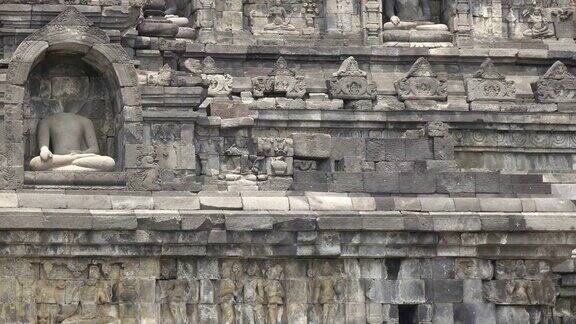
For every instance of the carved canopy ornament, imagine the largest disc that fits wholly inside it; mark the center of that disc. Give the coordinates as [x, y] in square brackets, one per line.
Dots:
[489, 85]
[281, 80]
[557, 85]
[219, 83]
[349, 82]
[422, 83]
[70, 20]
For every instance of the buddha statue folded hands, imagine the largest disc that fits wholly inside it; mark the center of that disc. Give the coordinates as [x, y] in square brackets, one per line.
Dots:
[74, 145]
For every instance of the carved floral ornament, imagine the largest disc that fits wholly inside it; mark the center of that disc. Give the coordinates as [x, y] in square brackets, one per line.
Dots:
[281, 80]
[489, 85]
[557, 85]
[421, 82]
[349, 82]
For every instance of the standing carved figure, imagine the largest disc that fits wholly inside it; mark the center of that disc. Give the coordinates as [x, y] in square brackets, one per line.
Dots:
[274, 294]
[176, 297]
[254, 296]
[324, 291]
[230, 290]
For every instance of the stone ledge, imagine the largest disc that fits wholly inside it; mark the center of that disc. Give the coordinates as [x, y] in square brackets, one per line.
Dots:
[277, 201]
[380, 52]
[283, 220]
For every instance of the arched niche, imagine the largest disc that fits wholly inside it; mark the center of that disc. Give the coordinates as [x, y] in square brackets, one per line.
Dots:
[81, 52]
[63, 82]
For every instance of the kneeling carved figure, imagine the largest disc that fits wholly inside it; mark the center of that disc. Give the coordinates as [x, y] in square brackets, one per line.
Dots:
[74, 145]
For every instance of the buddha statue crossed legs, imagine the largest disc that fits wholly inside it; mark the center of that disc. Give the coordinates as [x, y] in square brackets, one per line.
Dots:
[74, 145]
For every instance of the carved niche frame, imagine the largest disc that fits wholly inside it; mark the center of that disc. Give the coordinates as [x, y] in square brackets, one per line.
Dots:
[72, 33]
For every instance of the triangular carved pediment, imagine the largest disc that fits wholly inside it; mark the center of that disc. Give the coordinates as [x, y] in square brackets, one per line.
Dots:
[421, 68]
[73, 21]
[558, 71]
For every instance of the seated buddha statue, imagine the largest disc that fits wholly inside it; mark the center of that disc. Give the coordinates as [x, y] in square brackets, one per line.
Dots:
[278, 17]
[410, 14]
[68, 142]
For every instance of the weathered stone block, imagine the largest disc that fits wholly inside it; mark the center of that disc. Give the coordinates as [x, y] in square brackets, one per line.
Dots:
[444, 291]
[265, 203]
[312, 146]
[473, 268]
[320, 202]
[347, 182]
[228, 109]
[376, 182]
[419, 149]
[221, 202]
[310, 181]
[474, 313]
[248, 223]
[172, 202]
[455, 182]
[520, 292]
[132, 202]
[443, 148]
[347, 146]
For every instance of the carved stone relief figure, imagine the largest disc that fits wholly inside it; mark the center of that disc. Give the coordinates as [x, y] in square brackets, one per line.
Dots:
[324, 289]
[274, 293]
[278, 17]
[254, 295]
[231, 286]
[176, 297]
[537, 23]
[93, 294]
[128, 297]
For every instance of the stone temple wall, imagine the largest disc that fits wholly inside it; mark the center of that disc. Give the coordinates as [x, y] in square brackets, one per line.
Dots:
[290, 161]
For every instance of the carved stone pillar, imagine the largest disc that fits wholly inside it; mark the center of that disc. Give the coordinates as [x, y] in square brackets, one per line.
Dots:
[462, 22]
[340, 17]
[372, 20]
[203, 15]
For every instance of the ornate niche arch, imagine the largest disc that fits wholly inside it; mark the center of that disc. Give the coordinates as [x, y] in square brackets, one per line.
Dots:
[71, 34]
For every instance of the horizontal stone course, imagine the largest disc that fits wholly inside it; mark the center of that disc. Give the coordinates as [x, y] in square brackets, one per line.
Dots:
[262, 200]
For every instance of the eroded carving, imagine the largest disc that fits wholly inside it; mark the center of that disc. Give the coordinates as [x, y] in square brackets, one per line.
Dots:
[349, 82]
[280, 81]
[557, 85]
[488, 84]
[421, 82]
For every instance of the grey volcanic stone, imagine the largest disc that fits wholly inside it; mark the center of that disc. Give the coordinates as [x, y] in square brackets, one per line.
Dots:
[313, 146]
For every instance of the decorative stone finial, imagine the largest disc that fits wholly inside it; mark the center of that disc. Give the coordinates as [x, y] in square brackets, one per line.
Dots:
[281, 68]
[209, 66]
[421, 68]
[488, 71]
[349, 68]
